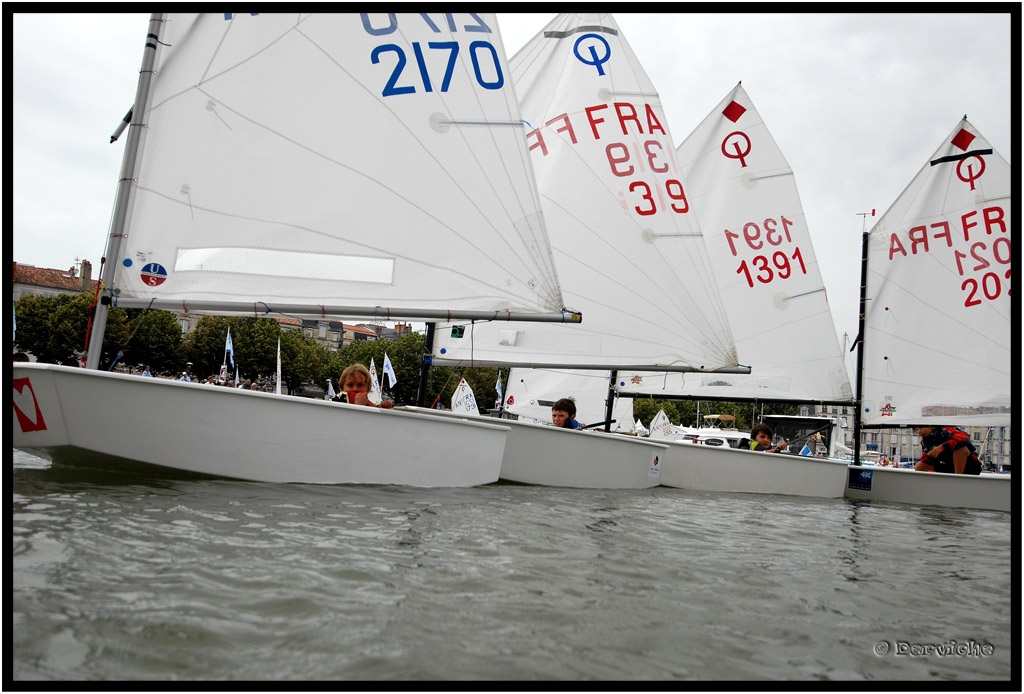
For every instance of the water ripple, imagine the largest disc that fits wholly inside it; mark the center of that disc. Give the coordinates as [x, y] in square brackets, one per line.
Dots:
[172, 580]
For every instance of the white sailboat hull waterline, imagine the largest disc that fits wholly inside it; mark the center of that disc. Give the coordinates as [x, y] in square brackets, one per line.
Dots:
[989, 491]
[552, 457]
[247, 435]
[722, 469]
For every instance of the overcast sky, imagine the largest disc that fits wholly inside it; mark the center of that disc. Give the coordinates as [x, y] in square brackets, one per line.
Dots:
[856, 102]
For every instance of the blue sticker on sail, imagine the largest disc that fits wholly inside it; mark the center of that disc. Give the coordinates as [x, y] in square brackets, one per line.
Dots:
[127, 262]
[153, 274]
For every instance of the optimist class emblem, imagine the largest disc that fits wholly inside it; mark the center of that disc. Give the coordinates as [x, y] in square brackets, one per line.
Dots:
[153, 274]
[887, 410]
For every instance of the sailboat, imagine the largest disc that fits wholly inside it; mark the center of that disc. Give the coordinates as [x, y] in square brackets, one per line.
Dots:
[626, 248]
[307, 164]
[531, 392]
[747, 204]
[936, 322]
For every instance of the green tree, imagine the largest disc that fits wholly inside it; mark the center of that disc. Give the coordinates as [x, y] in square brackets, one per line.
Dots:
[32, 313]
[302, 360]
[646, 409]
[54, 328]
[155, 340]
[406, 356]
[255, 346]
[204, 346]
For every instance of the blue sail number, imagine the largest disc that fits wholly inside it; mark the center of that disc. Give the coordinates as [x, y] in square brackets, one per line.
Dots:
[478, 50]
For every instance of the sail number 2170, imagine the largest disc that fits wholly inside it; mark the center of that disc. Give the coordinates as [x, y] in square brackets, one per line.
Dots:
[766, 266]
[486, 65]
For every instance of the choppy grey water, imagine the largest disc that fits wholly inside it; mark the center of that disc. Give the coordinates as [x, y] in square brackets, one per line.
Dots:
[141, 578]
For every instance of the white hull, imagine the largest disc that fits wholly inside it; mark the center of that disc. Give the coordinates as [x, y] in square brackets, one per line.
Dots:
[987, 490]
[93, 417]
[544, 455]
[723, 469]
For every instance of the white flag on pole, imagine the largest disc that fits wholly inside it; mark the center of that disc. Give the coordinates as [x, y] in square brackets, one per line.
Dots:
[330, 390]
[389, 372]
[463, 399]
[277, 388]
[374, 395]
[229, 349]
[497, 387]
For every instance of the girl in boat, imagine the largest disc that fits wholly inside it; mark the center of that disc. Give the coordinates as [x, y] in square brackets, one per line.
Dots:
[355, 387]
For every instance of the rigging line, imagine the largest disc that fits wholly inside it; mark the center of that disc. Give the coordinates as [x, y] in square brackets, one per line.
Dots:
[142, 319]
[92, 306]
[794, 296]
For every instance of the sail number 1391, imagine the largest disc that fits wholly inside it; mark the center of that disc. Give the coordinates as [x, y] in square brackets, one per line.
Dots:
[767, 265]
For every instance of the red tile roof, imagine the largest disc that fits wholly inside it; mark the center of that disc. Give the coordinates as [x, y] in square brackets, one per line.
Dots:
[50, 278]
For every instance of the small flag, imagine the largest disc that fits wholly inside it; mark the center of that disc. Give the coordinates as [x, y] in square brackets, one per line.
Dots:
[374, 395]
[330, 390]
[806, 450]
[229, 349]
[497, 386]
[238, 377]
[389, 372]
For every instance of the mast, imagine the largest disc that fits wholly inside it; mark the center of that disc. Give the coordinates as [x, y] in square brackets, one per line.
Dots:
[421, 391]
[131, 150]
[609, 405]
[859, 342]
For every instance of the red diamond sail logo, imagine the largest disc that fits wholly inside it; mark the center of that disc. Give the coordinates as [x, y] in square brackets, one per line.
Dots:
[733, 111]
[962, 140]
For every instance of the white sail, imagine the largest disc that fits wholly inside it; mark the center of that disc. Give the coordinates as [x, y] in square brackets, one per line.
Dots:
[627, 248]
[375, 396]
[335, 159]
[463, 400]
[661, 427]
[937, 318]
[745, 197]
[318, 164]
[531, 392]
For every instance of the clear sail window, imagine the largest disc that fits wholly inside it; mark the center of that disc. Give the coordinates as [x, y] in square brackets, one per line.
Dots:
[260, 261]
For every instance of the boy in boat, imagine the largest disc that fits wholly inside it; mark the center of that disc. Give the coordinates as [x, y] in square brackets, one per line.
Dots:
[761, 439]
[355, 384]
[948, 450]
[563, 414]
